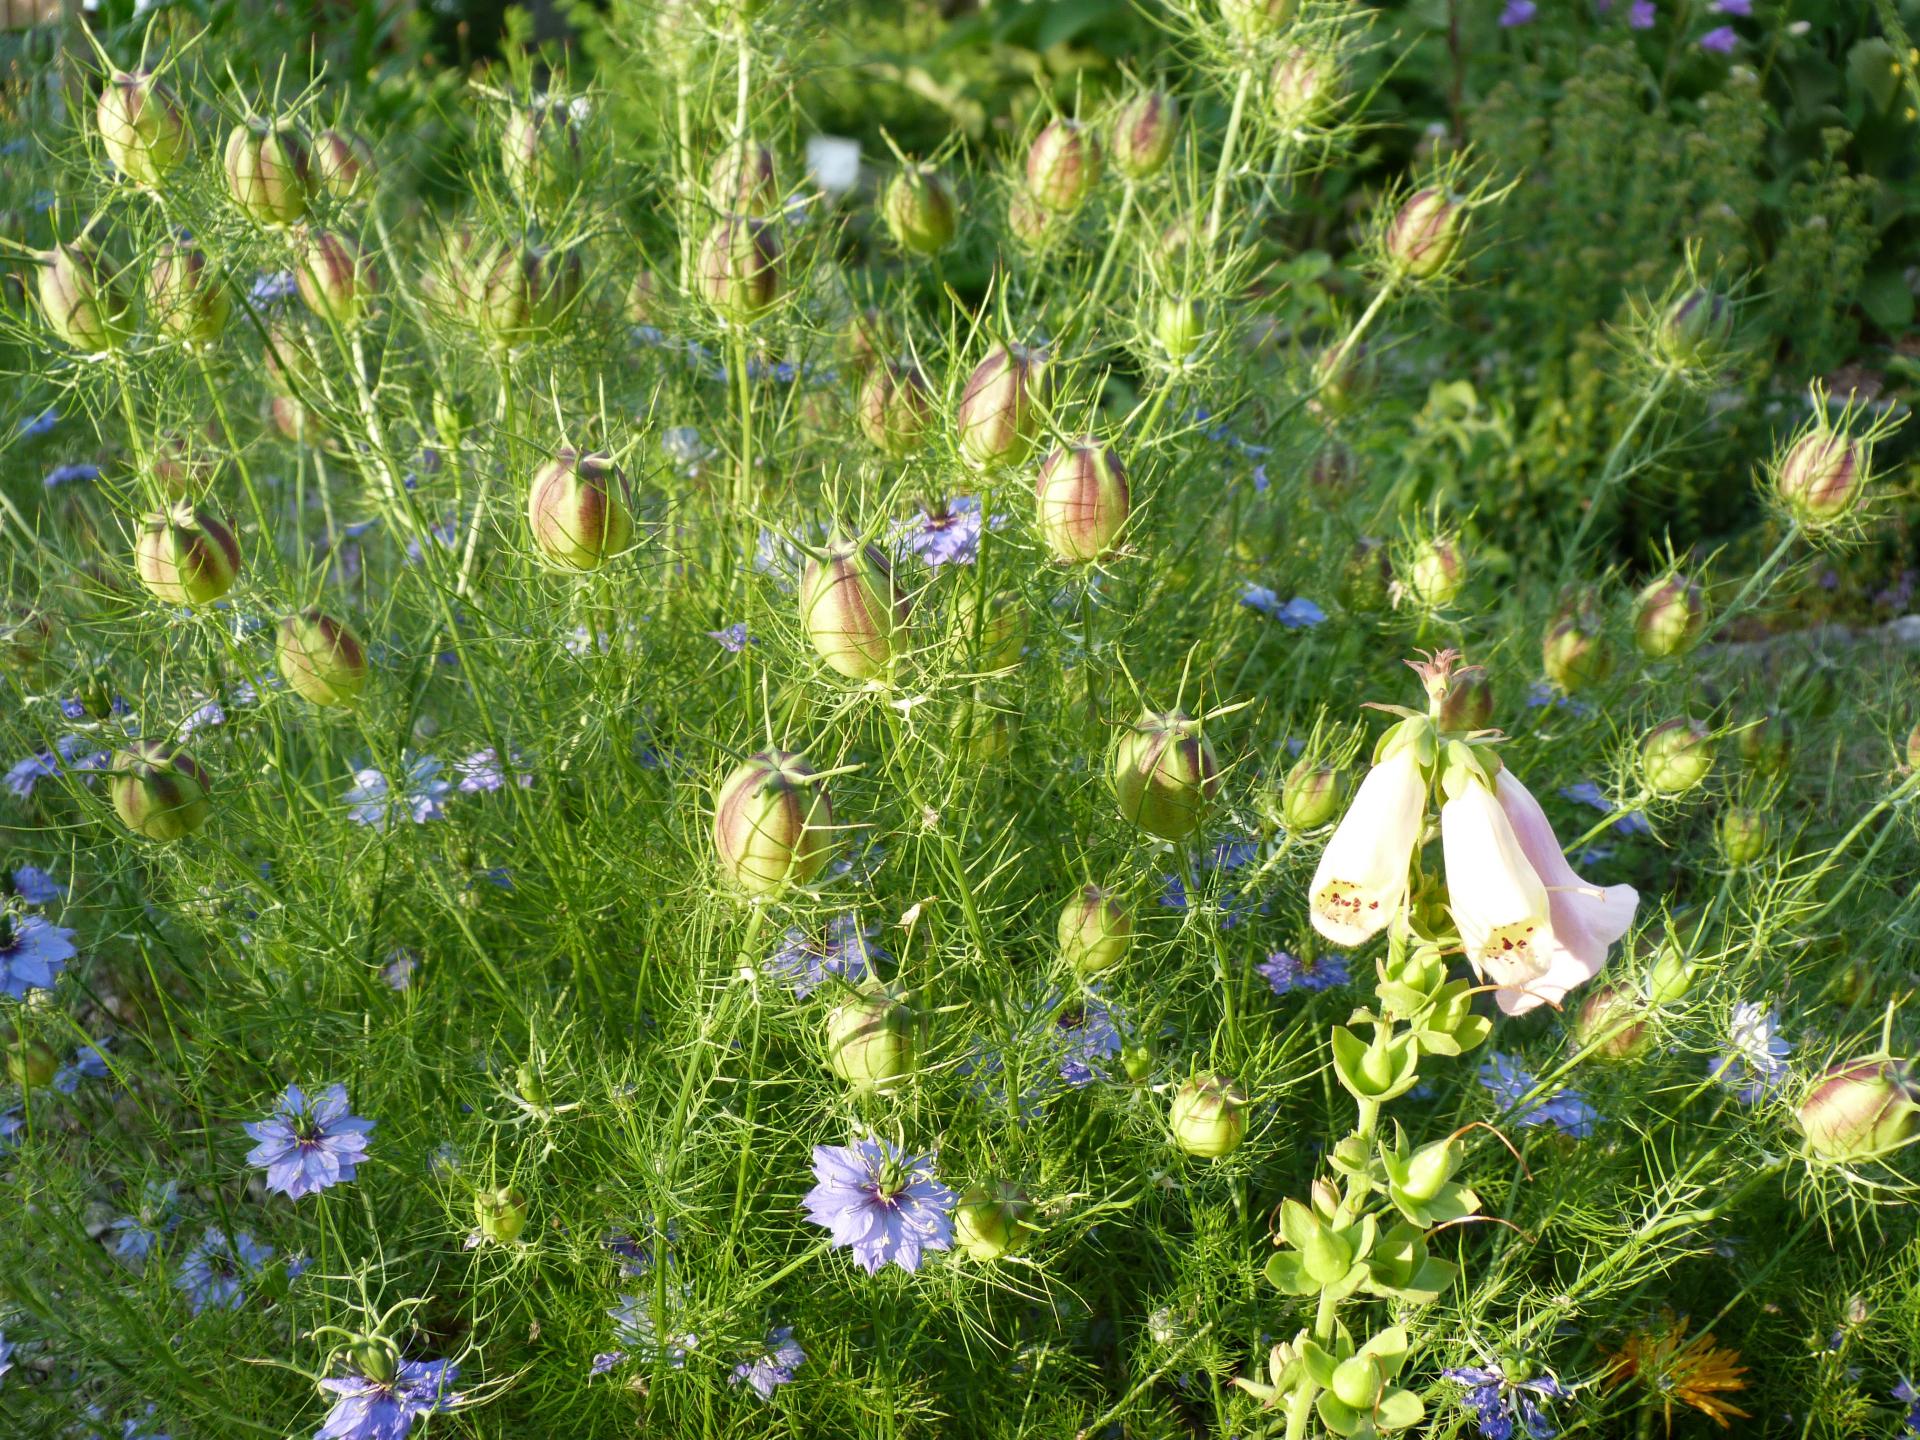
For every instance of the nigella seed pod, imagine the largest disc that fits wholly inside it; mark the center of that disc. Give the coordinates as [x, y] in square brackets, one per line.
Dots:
[1424, 235]
[1303, 87]
[1063, 166]
[31, 1062]
[1575, 653]
[1860, 1110]
[920, 210]
[269, 171]
[187, 299]
[1745, 836]
[142, 128]
[335, 277]
[1821, 477]
[872, 336]
[1766, 746]
[982, 729]
[501, 1214]
[1179, 325]
[158, 790]
[1165, 774]
[895, 408]
[992, 1220]
[1612, 1024]
[527, 292]
[1208, 1116]
[1468, 704]
[1694, 328]
[1312, 795]
[1082, 500]
[1032, 225]
[1436, 573]
[1144, 129]
[853, 611]
[744, 180]
[320, 658]
[26, 634]
[990, 630]
[1668, 617]
[342, 163]
[81, 300]
[1095, 931]
[289, 356]
[1675, 757]
[578, 511]
[999, 411]
[540, 154]
[739, 268]
[772, 824]
[1252, 19]
[870, 1040]
[184, 556]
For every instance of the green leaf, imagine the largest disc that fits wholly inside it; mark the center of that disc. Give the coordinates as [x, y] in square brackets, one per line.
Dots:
[1340, 1418]
[1287, 1275]
[1886, 297]
[1874, 70]
[1398, 1409]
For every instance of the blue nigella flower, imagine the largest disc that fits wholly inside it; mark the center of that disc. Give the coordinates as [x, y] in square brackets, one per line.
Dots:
[32, 954]
[1720, 40]
[950, 535]
[89, 1063]
[774, 1367]
[483, 772]
[1755, 1060]
[136, 1235]
[1585, 792]
[370, 1409]
[306, 1146]
[1285, 973]
[635, 1331]
[1518, 12]
[69, 474]
[1910, 1397]
[35, 426]
[213, 1273]
[29, 772]
[733, 639]
[1498, 1401]
[1298, 613]
[1563, 1109]
[36, 887]
[885, 1205]
[848, 952]
[374, 803]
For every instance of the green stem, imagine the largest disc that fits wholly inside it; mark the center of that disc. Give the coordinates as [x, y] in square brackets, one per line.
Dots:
[1610, 472]
[1227, 147]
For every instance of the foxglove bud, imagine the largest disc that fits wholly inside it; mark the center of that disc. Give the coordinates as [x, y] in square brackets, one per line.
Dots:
[772, 824]
[577, 509]
[1821, 477]
[1252, 19]
[540, 154]
[158, 791]
[896, 408]
[1694, 328]
[1366, 581]
[320, 658]
[1179, 325]
[744, 180]
[1766, 746]
[1165, 774]
[336, 278]
[1083, 500]
[81, 299]
[1312, 795]
[1468, 703]
[141, 126]
[1208, 1117]
[1745, 835]
[1424, 235]
[854, 613]
[1668, 617]
[990, 631]
[1063, 166]
[1031, 223]
[1860, 1110]
[1095, 931]
[1144, 129]
[1675, 757]
[187, 299]
[184, 556]
[500, 1215]
[870, 1040]
[269, 171]
[528, 292]
[920, 211]
[31, 1062]
[1436, 573]
[1303, 87]
[999, 412]
[739, 268]
[1575, 653]
[992, 1220]
[342, 163]
[1613, 1023]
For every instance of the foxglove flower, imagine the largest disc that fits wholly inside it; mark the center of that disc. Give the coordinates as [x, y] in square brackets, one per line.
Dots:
[369, 1409]
[1498, 1401]
[1361, 880]
[768, 1371]
[213, 1273]
[882, 1203]
[32, 954]
[1563, 1109]
[1284, 973]
[307, 1145]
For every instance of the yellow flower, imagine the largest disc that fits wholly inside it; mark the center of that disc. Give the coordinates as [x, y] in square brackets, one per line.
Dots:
[1694, 1372]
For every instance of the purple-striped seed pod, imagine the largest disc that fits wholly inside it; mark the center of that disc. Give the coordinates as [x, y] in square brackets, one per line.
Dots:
[31, 1062]
[578, 511]
[81, 299]
[142, 128]
[1031, 224]
[269, 171]
[895, 409]
[870, 1040]
[185, 465]
[184, 556]
[1302, 87]
[1095, 931]
[540, 154]
[1252, 19]
[739, 268]
[500, 1214]
[1612, 1022]
[186, 298]
[342, 163]
[999, 412]
[1860, 1110]
[1082, 501]
[1575, 652]
[1424, 235]
[1468, 704]
[1063, 166]
[872, 336]
[745, 180]
[853, 611]
[1822, 476]
[1144, 129]
[992, 1221]
[320, 658]
[529, 292]
[1366, 581]
[158, 790]
[920, 210]
[336, 277]
[1695, 328]
[1165, 774]
[1436, 572]
[1669, 616]
[451, 281]
[772, 824]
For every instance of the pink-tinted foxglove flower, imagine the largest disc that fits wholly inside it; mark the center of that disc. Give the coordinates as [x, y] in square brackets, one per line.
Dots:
[1361, 880]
